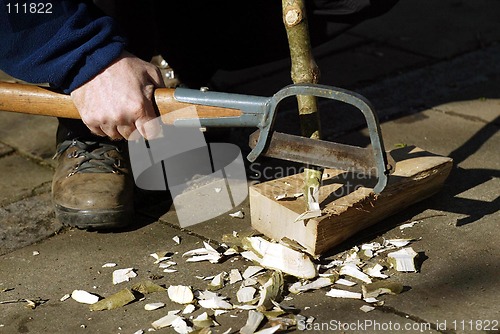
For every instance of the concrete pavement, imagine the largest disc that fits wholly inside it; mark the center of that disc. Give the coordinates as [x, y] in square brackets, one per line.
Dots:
[432, 72]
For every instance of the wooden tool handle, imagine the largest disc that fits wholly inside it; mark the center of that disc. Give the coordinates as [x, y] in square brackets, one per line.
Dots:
[30, 99]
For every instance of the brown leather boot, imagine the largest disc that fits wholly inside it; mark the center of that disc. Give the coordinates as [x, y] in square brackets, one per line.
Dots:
[92, 186]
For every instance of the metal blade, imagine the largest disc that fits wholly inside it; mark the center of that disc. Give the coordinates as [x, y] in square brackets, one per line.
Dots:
[319, 153]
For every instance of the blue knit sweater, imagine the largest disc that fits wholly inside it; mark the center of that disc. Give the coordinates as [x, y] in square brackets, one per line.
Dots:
[66, 47]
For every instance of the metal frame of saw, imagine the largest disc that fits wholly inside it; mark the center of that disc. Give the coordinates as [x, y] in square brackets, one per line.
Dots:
[260, 112]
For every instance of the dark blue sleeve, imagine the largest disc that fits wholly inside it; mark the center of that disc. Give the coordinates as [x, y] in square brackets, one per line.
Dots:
[64, 48]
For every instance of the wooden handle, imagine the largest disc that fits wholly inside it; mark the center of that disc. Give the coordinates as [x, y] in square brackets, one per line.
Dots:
[36, 100]
[30, 99]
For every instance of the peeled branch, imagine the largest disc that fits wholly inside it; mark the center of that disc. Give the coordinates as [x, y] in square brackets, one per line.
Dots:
[119, 299]
[304, 70]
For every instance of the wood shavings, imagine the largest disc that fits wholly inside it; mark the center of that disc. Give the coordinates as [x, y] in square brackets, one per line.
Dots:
[367, 308]
[190, 308]
[211, 300]
[217, 282]
[65, 297]
[238, 214]
[30, 304]
[319, 283]
[337, 293]
[166, 264]
[276, 256]
[250, 281]
[403, 259]
[251, 271]
[397, 242]
[352, 270]
[253, 322]
[352, 257]
[161, 256]
[235, 276]
[165, 321]
[343, 281]
[410, 224]
[373, 246]
[123, 275]
[208, 253]
[215, 304]
[181, 294]
[285, 196]
[271, 290]
[84, 297]
[375, 271]
[219, 312]
[153, 306]
[246, 294]
[309, 214]
[376, 289]
[204, 320]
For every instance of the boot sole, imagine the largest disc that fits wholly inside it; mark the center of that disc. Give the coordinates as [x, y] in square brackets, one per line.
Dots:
[93, 220]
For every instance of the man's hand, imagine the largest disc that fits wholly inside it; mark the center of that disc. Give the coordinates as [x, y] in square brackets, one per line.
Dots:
[120, 98]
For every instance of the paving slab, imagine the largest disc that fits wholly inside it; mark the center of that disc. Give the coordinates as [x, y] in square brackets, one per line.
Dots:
[432, 130]
[346, 68]
[438, 29]
[26, 222]
[458, 278]
[438, 83]
[365, 63]
[25, 178]
[4, 150]
[73, 260]
[457, 281]
[482, 109]
[238, 80]
[29, 134]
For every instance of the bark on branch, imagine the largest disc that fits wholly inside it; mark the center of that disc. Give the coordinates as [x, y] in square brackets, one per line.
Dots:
[304, 70]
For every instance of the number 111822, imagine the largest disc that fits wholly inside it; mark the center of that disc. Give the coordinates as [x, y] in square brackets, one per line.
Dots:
[29, 8]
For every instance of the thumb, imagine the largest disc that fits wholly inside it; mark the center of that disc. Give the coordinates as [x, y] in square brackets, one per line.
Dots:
[149, 125]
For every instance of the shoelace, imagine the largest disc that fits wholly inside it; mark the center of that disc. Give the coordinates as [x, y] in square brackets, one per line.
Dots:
[95, 156]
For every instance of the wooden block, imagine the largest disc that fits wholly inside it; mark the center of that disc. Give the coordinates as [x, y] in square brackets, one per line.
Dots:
[347, 201]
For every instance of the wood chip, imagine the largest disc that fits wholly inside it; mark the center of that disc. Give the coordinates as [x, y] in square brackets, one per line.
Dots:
[337, 293]
[180, 294]
[367, 308]
[352, 270]
[253, 322]
[123, 275]
[153, 306]
[403, 260]
[279, 257]
[84, 297]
